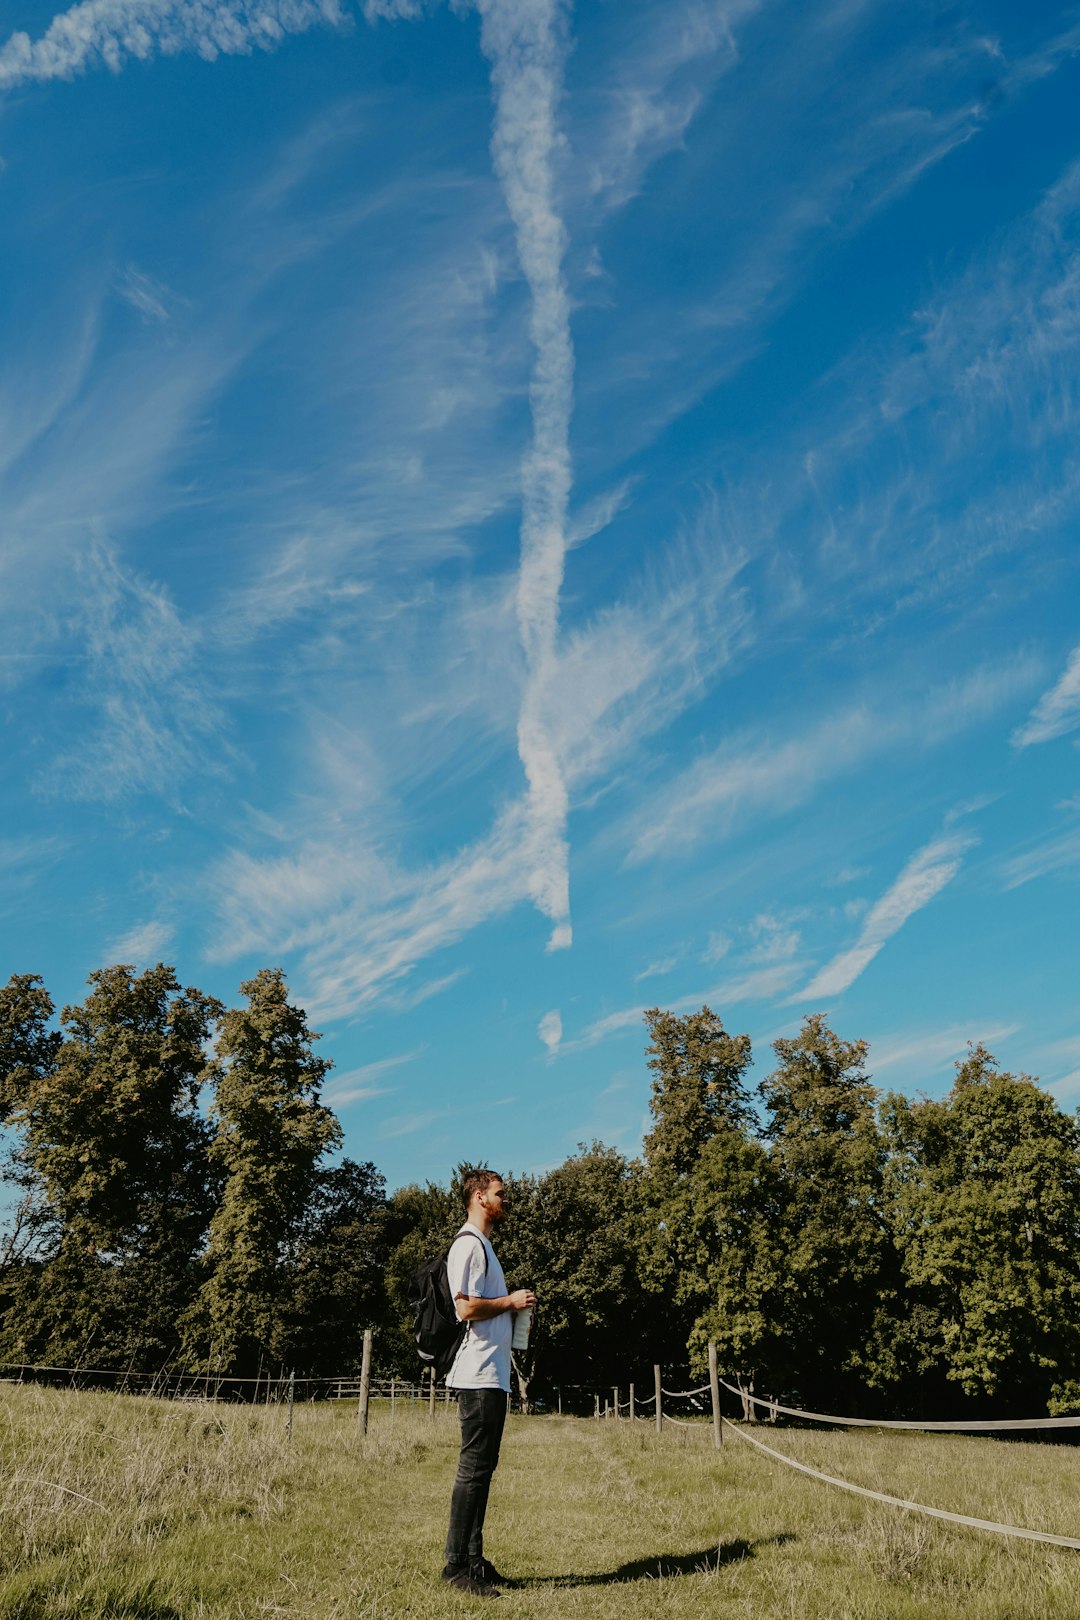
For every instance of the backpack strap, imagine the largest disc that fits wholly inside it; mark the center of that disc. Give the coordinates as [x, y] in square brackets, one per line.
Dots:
[465, 1231]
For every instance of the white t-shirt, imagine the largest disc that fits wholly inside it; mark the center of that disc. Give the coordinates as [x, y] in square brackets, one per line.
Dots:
[483, 1361]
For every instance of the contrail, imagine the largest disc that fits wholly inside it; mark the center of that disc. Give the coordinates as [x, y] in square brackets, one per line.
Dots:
[108, 33]
[525, 42]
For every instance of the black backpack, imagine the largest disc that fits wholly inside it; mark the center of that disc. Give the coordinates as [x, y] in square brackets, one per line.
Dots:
[436, 1329]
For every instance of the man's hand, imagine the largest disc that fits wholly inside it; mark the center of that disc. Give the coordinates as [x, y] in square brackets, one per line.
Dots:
[473, 1309]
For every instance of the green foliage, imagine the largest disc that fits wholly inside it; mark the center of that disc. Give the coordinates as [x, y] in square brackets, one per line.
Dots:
[698, 1086]
[919, 1250]
[420, 1222]
[113, 1141]
[985, 1194]
[270, 1133]
[336, 1288]
[27, 1045]
[572, 1237]
[827, 1163]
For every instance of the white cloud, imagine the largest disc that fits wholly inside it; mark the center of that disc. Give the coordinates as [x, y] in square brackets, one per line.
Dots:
[1058, 854]
[924, 876]
[707, 799]
[1066, 1090]
[357, 1085]
[143, 676]
[409, 1124]
[759, 984]
[549, 1030]
[108, 33]
[658, 83]
[928, 1051]
[656, 970]
[1057, 711]
[142, 945]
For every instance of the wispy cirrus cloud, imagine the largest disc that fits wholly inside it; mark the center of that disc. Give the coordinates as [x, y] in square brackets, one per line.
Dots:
[348, 1086]
[1057, 711]
[756, 984]
[928, 1051]
[705, 801]
[1058, 853]
[144, 944]
[157, 721]
[925, 875]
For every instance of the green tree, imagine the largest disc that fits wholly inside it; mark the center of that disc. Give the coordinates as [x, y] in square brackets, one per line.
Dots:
[336, 1288]
[421, 1222]
[28, 1046]
[270, 1134]
[706, 1196]
[698, 1088]
[827, 1160]
[112, 1133]
[573, 1236]
[985, 1195]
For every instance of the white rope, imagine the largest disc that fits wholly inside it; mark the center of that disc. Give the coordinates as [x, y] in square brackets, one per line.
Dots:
[896, 1501]
[969, 1425]
[679, 1394]
[679, 1424]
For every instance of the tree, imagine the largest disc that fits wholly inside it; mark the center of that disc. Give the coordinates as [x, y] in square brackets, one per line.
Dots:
[704, 1192]
[698, 1086]
[985, 1191]
[573, 1236]
[826, 1156]
[28, 1046]
[28, 1050]
[112, 1133]
[270, 1133]
[336, 1289]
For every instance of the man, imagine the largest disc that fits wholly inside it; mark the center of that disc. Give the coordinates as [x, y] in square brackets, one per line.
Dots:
[480, 1375]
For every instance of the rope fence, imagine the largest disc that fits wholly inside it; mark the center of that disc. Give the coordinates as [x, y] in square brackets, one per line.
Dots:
[896, 1501]
[285, 1387]
[957, 1426]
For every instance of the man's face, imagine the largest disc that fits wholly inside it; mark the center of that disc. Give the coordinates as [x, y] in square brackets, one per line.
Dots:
[494, 1200]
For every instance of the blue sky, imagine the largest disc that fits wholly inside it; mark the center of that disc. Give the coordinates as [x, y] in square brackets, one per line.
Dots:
[520, 514]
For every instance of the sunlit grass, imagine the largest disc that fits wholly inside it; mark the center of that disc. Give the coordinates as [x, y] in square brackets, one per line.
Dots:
[171, 1510]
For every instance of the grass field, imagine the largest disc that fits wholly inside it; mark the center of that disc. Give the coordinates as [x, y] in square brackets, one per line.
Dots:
[185, 1511]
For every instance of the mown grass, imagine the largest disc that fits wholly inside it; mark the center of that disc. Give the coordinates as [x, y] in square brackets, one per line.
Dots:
[176, 1512]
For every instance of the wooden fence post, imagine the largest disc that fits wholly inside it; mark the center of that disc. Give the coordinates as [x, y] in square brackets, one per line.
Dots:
[631, 1403]
[431, 1394]
[714, 1385]
[596, 1406]
[659, 1409]
[559, 1392]
[292, 1398]
[615, 1403]
[365, 1383]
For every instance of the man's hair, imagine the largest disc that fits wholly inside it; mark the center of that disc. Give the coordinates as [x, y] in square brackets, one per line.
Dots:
[476, 1181]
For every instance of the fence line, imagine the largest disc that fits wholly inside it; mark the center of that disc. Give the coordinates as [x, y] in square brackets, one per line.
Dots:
[966, 1425]
[897, 1501]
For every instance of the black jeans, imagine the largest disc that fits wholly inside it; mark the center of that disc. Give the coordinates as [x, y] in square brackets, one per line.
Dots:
[483, 1414]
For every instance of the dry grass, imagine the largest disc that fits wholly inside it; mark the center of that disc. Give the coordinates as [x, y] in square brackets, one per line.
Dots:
[135, 1509]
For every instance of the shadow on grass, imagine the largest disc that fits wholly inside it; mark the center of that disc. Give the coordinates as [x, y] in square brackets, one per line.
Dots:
[667, 1565]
